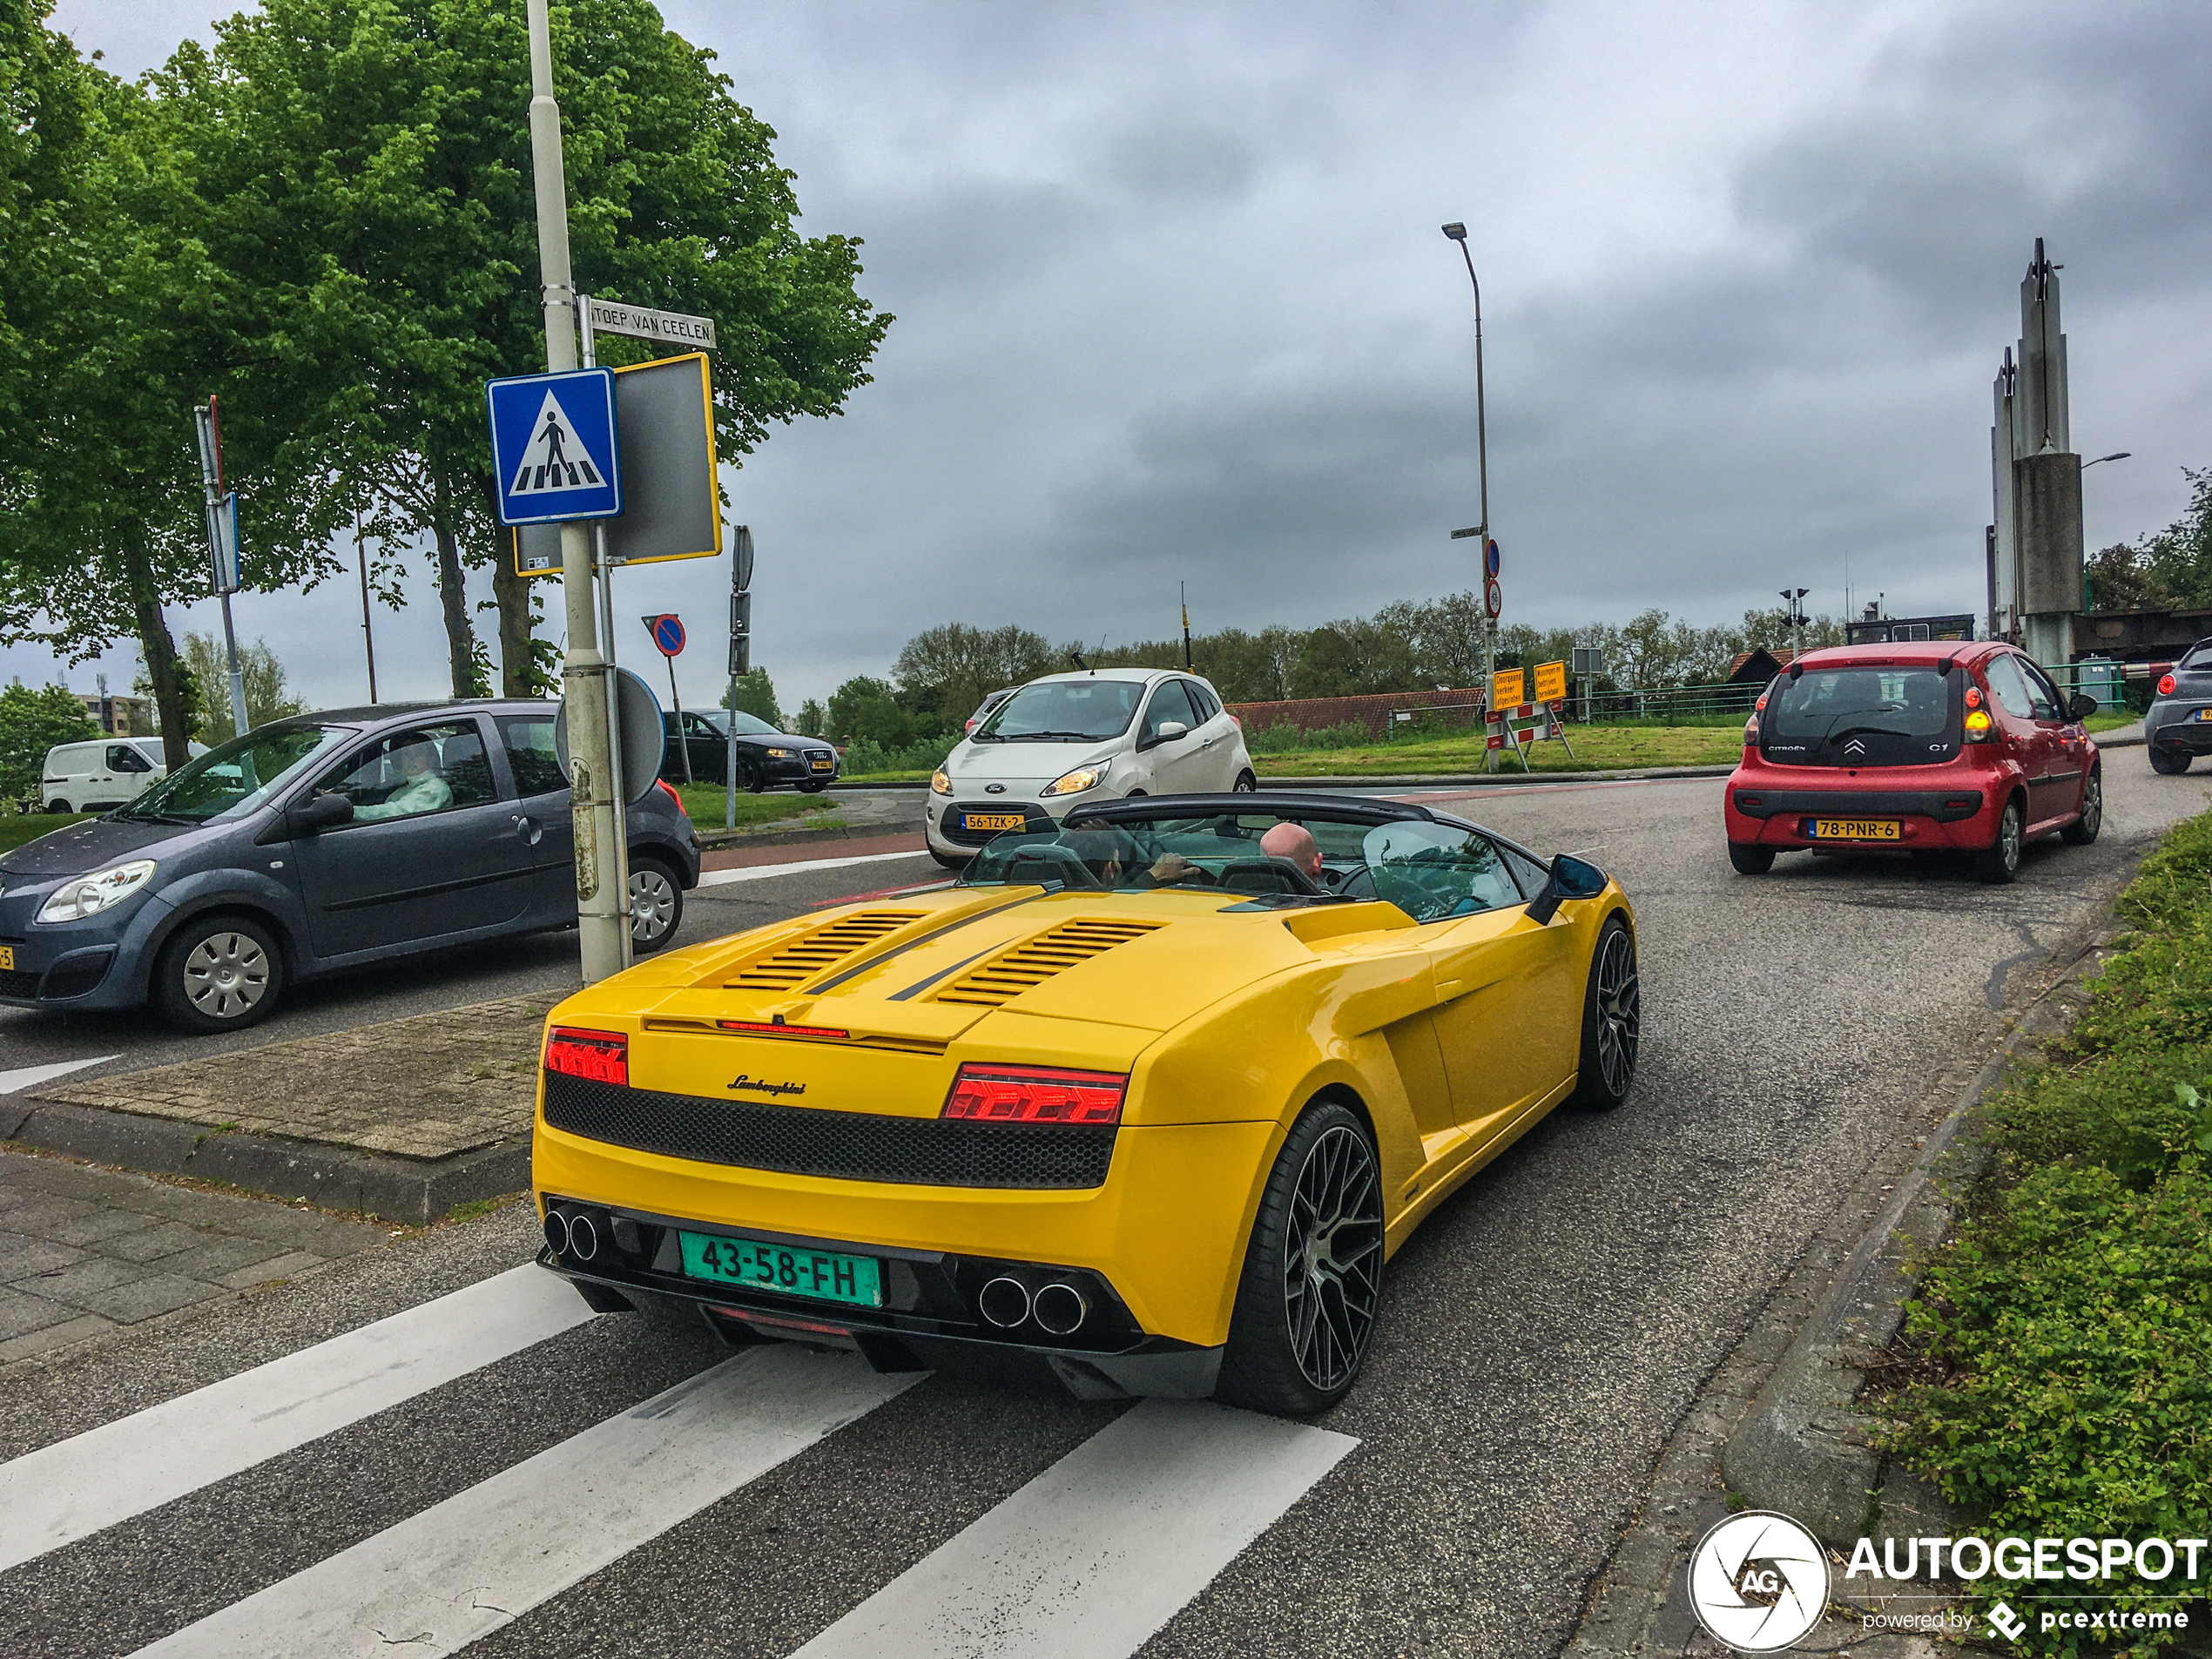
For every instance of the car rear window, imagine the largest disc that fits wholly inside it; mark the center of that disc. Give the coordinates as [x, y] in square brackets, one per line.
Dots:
[1880, 714]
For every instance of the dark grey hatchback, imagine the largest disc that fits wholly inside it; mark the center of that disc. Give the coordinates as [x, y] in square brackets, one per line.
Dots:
[324, 842]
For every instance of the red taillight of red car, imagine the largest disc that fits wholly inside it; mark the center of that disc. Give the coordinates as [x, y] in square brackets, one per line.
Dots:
[662, 784]
[1037, 1095]
[601, 1056]
[2165, 686]
[1973, 696]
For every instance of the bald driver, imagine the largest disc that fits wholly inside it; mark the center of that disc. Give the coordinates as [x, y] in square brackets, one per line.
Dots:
[1294, 843]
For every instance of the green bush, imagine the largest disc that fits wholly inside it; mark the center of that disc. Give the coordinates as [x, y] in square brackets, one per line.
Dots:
[2071, 1311]
[865, 756]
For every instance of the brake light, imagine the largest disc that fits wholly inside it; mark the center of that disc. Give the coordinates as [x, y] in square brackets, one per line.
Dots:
[2165, 686]
[662, 784]
[778, 1028]
[1037, 1095]
[1973, 696]
[601, 1056]
[1759, 707]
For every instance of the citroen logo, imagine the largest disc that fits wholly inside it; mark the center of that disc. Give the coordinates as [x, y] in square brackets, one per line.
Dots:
[1856, 747]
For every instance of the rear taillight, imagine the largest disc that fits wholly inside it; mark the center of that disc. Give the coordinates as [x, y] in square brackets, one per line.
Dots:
[1973, 696]
[2165, 686]
[1751, 731]
[778, 1028]
[662, 784]
[1978, 727]
[602, 1056]
[1037, 1095]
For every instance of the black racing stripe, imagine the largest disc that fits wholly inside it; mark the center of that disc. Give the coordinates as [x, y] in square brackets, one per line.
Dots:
[921, 985]
[858, 968]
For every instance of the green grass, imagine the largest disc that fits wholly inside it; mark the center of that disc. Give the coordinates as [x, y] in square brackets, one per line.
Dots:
[2112, 719]
[1597, 748]
[705, 803]
[19, 827]
[2062, 1337]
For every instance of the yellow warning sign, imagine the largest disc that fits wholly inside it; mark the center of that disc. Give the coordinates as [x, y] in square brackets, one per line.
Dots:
[1551, 682]
[1506, 689]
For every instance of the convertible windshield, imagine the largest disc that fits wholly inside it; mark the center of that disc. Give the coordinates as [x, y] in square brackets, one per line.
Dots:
[233, 779]
[1431, 871]
[1064, 711]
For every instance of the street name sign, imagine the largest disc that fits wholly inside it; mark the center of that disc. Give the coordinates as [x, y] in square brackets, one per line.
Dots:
[642, 322]
[554, 455]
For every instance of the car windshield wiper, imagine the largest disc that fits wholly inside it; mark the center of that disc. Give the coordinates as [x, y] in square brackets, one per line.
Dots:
[1868, 731]
[1054, 736]
[139, 817]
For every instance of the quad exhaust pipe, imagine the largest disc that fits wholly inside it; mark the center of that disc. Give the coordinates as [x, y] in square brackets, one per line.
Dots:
[1004, 1302]
[1060, 1309]
[574, 1236]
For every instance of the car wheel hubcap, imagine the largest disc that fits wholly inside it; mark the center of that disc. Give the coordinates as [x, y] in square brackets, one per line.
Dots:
[1247, 785]
[653, 906]
[2010, 838]
[226, 975]
[2093, 803]
[1333, 1257]
[1620, 1013]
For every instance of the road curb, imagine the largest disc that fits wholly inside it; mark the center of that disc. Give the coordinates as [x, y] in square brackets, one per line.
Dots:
[1803, 1447]
[415, 1190]
[723, 841]
[1369, 780]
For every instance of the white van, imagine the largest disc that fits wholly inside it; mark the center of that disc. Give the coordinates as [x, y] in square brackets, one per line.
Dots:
[94, 777]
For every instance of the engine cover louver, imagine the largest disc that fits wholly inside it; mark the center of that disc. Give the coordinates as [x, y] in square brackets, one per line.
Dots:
[1003, 978]
[803, 959]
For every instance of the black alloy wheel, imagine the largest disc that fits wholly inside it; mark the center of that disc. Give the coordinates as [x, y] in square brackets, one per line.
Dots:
[1999, 861]
[2084, 829]
[1245, 784]
[219, 973]
[1312, 1279]
[1750, 860]
[751, 777]
[656, 905]
[1612, 1021]
[2169, 762]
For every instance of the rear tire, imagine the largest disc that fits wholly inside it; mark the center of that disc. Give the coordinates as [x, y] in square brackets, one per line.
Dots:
[2084, 829]
[219, 973]
[63, 806]
[2170, 762]
[1612, 1022]
[1999, 861]
[1312, 1279]
[656, 905]
[1245, 784]
[1750, 860]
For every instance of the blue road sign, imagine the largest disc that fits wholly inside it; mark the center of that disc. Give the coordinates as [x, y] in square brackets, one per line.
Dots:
[553, 446]
[668, 634]
[1490, 559]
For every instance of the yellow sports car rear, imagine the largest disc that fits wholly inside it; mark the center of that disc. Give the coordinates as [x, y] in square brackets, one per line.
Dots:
[1136, 1096]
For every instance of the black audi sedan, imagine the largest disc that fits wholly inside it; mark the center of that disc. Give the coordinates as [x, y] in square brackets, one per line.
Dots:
[319, 843]
[767, 759]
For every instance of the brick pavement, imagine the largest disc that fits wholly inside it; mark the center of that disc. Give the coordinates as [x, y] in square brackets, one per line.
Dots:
[84, 1251]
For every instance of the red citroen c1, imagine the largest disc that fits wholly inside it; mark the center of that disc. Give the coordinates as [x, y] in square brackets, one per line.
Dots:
[1943, 745]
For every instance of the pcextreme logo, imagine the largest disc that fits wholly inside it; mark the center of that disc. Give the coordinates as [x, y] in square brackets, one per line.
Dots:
[1759, 1582]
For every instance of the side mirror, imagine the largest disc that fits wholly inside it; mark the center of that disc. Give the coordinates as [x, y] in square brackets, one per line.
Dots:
[2081, 706]
[1171, 730]
[1570, 879]
[321, 812]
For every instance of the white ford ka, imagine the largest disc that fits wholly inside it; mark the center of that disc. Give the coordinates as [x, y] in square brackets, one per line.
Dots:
[1067, 739]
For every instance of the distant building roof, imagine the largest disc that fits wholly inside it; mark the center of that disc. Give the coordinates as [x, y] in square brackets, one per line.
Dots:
[1758, 667]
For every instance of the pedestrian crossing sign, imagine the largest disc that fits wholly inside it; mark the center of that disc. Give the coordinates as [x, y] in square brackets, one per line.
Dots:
[554, 452]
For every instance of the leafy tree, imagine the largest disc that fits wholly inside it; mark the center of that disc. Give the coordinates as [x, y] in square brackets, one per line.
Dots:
[948, 670]
[31, 723]
[865, 711]
[755, 693]
[368, 167]
[811, 720]
[267, 697]
[2179, 557]
[2120, 579]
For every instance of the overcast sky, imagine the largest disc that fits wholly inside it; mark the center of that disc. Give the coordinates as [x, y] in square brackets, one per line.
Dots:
[1173, 304]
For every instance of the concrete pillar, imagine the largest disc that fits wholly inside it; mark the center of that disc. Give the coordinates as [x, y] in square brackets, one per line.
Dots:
[2047, 493]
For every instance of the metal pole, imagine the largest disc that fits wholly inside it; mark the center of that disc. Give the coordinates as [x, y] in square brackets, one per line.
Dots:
[588, 339]
[1482, 474]
[1184, 597]
[368, 634]
[602, 919]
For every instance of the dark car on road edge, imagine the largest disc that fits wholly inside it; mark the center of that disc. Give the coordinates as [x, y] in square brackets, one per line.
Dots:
[767, 759]
[2178, 726]
[319, 843]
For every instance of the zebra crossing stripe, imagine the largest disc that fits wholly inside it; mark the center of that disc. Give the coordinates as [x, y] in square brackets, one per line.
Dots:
[1101, 1549]
[74, 1488]
[464, 1568]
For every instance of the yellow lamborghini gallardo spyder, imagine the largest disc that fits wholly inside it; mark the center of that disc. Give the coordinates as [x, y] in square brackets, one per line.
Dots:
[1150, 1093]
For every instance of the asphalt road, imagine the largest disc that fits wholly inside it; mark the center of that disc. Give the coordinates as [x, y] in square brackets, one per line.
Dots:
[1542, 1335]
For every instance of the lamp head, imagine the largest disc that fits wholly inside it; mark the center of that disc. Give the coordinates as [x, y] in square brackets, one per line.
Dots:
[1457, 232]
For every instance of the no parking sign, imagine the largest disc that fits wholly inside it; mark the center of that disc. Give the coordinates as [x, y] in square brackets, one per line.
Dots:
[667, 631]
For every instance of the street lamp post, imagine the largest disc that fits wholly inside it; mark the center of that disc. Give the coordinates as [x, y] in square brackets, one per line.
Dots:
[1459, 233]
[2087, 596]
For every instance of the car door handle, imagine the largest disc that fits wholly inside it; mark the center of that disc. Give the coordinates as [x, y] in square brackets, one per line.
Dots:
[529, 828]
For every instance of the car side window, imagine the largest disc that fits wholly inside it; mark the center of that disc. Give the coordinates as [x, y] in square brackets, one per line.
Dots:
[1170, 703]
[1434, 872]
[2007, 686]
[409, 774]
[529, 740]
[2049, 705]
[1204, 702]
[121, 757]
[698, 726]
[1532, 876]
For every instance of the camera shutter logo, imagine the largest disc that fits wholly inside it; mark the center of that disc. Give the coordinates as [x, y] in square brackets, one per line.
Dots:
[1759, 1582]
